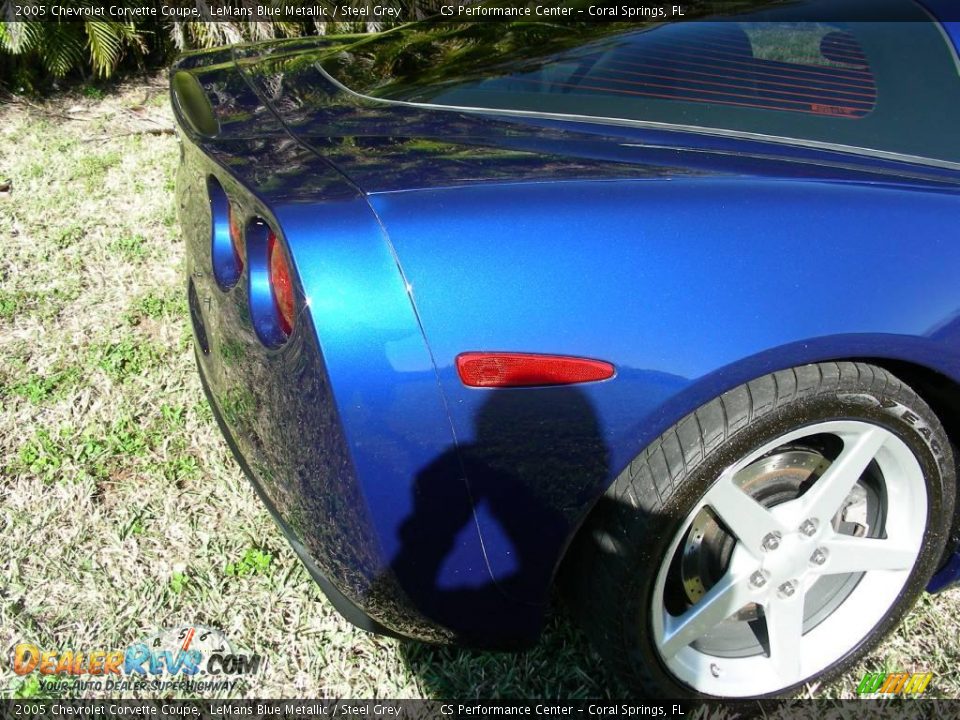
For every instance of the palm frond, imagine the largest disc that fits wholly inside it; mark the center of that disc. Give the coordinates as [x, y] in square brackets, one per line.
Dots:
[62, 49]
[20, 37]
[106, 45]
[58, 48]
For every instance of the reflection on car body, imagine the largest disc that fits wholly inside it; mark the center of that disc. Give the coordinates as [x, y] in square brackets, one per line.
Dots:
[750, 222]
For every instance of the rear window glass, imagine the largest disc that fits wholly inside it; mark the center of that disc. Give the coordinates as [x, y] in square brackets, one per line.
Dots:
[883, 87]
[808, 68]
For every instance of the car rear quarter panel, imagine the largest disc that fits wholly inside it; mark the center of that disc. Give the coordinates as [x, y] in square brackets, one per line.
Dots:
[690, 286]
[334, 425]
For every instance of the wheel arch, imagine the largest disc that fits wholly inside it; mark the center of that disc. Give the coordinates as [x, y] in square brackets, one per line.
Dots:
[934, 387]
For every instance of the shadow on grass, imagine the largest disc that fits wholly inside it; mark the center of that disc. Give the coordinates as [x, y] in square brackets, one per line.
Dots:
[536, 456]
[561, 665]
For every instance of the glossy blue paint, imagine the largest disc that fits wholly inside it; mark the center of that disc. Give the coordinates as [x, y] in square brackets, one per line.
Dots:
[342, 428]
[746, 293]
[693, 263]
[390, 406]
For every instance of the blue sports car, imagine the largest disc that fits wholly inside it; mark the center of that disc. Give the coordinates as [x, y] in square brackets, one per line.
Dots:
[663, 314]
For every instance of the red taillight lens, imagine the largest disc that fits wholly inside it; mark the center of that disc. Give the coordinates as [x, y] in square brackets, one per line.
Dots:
[282, 284]
[236, 237]
[527, 370]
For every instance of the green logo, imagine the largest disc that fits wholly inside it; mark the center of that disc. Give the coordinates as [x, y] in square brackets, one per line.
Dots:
[899, 683]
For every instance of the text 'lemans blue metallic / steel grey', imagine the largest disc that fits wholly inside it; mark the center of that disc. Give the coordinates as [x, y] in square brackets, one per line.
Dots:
[693, 262]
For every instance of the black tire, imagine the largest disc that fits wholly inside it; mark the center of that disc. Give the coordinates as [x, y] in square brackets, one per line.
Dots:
[610, 572]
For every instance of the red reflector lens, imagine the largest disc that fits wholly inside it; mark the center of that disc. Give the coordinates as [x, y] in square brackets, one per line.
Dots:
[236, 237]
[526, 370]
[281, 283]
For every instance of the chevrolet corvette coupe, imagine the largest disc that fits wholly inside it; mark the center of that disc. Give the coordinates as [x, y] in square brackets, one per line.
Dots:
[665, 315]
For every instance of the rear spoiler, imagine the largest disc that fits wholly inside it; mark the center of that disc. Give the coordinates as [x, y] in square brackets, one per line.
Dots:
[215, 94]
[213, 101]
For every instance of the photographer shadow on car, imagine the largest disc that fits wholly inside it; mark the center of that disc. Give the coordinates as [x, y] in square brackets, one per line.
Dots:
[536, 457]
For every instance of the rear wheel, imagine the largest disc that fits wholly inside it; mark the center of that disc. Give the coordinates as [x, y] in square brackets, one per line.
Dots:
[771, 537]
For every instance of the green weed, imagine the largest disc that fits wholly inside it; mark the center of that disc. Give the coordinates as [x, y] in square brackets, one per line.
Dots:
[126, 358]
[38, 388]
[130, 247]
[253, 562]
[178, 581]
[9, 302]
[45, 453]
[156, 307]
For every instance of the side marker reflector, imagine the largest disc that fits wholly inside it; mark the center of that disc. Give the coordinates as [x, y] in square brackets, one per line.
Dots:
[480, 369]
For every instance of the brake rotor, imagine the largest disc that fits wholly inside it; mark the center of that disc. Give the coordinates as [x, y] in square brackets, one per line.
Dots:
[771, 481]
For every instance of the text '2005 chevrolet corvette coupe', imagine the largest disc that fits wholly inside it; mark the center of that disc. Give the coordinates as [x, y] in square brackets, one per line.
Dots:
[666, 315]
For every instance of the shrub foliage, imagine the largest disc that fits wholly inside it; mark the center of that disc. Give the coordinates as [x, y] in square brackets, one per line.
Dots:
[33, 53]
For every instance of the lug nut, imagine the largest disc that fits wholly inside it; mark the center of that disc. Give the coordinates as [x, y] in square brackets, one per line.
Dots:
[788, 588]
[809, 527]
[758, 579]
[819, 556]
[771, 541]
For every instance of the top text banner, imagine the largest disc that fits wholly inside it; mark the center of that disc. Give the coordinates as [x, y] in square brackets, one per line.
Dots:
[384, 13]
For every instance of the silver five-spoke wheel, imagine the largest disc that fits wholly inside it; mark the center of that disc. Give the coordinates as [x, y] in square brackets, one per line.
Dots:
[790, 558]
[770, 538]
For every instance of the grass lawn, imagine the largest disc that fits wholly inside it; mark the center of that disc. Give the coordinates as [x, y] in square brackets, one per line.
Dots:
[121, 510]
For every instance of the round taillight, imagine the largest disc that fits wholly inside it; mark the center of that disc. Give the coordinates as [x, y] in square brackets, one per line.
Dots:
[236, 237]
[281, 284]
